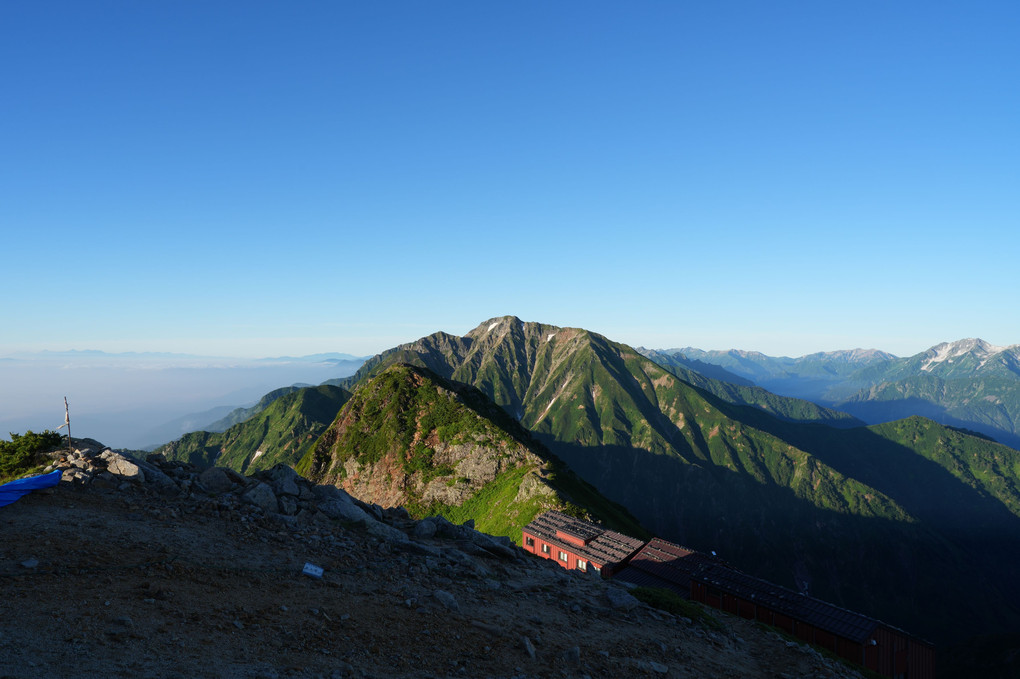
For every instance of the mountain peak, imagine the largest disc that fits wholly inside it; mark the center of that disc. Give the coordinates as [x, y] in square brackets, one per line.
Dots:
[499, 323]
[853, 355]
[502, 326]
[947, 351]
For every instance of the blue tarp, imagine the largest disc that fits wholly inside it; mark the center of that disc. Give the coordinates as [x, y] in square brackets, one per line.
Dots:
[9, 492]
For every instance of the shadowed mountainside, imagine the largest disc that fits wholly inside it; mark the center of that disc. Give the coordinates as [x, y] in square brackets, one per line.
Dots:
[841, 511]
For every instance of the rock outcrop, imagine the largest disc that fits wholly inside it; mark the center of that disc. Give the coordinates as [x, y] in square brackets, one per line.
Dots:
[409, 437]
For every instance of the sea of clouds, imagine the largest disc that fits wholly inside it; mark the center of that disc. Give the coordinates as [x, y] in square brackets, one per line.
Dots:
[142, 400]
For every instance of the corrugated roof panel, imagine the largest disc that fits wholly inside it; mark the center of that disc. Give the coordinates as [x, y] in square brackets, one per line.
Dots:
[672, 562]
[815, 612]
[606, 547]
[581, 531]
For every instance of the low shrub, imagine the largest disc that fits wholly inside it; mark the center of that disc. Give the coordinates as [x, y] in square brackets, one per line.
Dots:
[671, 602]
[22, 454]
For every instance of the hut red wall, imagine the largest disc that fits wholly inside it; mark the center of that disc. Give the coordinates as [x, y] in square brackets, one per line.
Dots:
[893, 654]
[535, 544]
[554, 552]
[897, 654]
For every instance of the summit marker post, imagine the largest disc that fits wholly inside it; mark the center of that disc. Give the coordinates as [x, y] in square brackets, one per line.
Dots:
[67, 423]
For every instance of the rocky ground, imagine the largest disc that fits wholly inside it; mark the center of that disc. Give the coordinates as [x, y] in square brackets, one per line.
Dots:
[133, 569]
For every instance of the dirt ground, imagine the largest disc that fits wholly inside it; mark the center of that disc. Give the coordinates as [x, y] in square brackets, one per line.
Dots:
[122, 582]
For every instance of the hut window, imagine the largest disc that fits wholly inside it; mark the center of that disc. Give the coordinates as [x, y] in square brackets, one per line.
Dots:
[563, 557]
[545, 548]
[582, 565]
[530, 542]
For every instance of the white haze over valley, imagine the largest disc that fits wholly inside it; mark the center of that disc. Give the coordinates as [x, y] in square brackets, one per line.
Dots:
[140, 400]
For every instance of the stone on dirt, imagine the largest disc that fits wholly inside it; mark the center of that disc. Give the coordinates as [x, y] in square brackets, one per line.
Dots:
[215, 480]
[261, 495]
[448, 601]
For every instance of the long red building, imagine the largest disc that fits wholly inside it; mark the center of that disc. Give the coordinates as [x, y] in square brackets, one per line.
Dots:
[578, 545]
[865, 641]
[585, 546]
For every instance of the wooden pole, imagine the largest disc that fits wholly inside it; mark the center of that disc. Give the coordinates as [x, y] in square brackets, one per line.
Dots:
[67, 423]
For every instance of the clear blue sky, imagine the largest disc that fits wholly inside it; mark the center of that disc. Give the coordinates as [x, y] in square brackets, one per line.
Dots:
[267, 178]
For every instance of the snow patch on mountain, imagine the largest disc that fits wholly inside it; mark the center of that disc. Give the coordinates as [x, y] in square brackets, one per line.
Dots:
[546, 411]
[947, 351]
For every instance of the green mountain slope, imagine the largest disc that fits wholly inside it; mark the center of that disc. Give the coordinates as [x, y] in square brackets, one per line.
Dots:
[800, 504]
[968, 383]
[990, 405]
[410, 438]
[742, 392]
[239, 415]
[281, 432]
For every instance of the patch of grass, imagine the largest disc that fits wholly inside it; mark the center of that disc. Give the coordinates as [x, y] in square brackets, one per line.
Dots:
[421, 458]
[493, 507]
[671, 602]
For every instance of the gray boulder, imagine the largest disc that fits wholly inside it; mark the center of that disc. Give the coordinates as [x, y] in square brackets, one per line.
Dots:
[155, 477]
[215, 480]
[288, 505]
[445, 529]
[261, 495]
[336, 508]
[121, 466]
[424, 529]
[493, 546]
[285, 480]
[386, 532]
[621, 599]
[448, 601]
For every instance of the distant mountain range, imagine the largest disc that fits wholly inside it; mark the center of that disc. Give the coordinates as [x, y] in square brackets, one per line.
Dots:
[969, 383]
[886, 519]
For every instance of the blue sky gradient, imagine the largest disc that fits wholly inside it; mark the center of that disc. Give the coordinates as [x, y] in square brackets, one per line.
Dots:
[267, 178]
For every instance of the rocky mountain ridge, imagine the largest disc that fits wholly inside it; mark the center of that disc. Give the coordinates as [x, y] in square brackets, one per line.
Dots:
[976, 346]
[151, 568]
[409, 437]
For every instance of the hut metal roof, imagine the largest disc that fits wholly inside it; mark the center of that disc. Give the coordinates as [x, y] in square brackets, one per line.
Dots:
[604, 546]
[672, 562]
[820, 614]
[665, 564]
